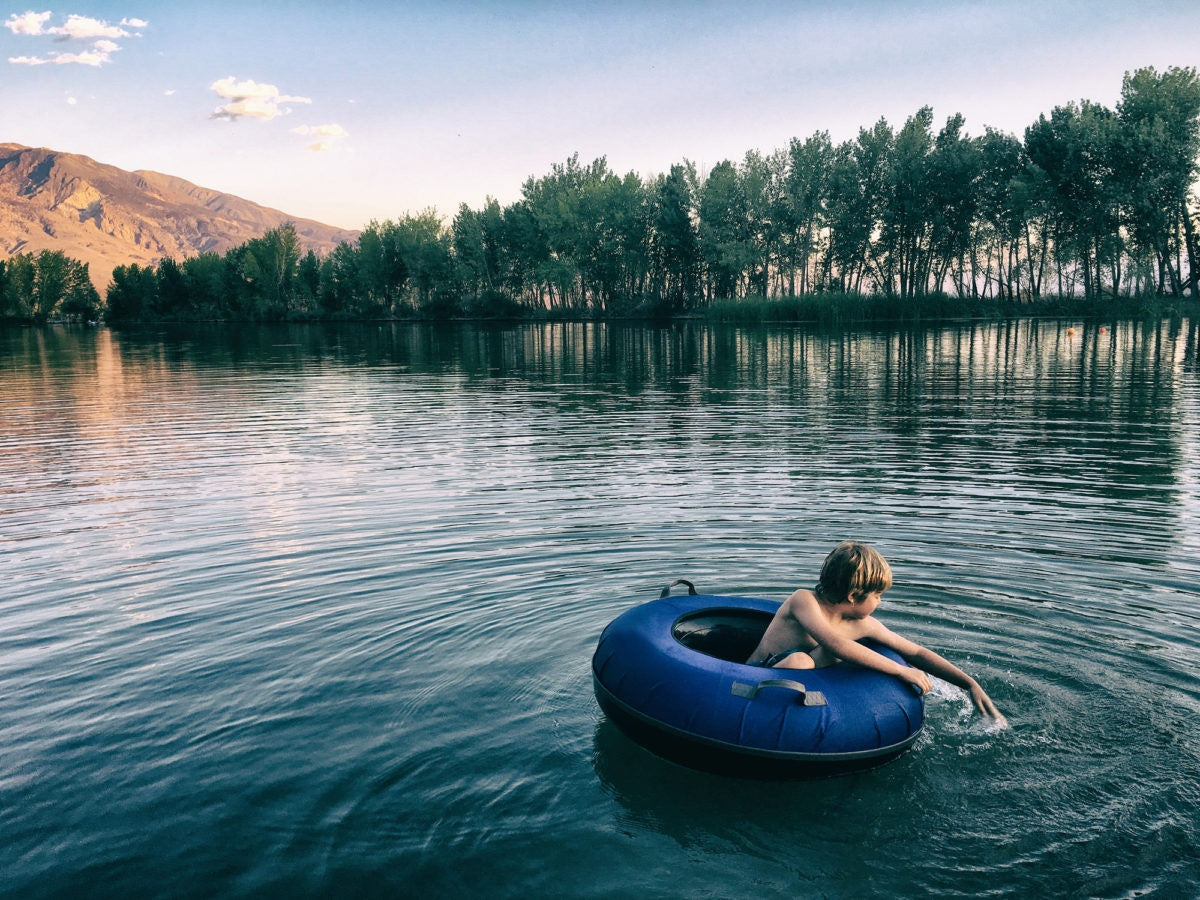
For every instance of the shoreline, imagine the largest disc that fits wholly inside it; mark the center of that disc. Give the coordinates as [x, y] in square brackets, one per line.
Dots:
[841, 310]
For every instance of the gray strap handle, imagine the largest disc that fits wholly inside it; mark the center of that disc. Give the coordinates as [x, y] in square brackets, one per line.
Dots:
[666, 592]
[750, 691]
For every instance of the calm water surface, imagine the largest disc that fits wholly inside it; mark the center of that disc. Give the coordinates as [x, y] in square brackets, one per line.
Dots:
[299, 612]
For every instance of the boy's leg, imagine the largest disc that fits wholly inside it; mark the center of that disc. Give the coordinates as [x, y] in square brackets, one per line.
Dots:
[798, 659]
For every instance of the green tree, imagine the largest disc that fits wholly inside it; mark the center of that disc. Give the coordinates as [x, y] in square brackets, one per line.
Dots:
[527, 253]
[132, 294]
[173, 300]
[561, 205]
[476, 237]
[1156, 164]
[725, 238]
[17, 286]
[424, 246]
[618, 245]
[1003, 213]
[208, 280]
[858, 184]
[52, 280]
[675, 254]
[381, 270]
[954, 172]
[1074, 149]
[907, 208]
[308, 283]
[341, 282]
[269, 268]
[763, 180]
[81, 300]
[806, 194]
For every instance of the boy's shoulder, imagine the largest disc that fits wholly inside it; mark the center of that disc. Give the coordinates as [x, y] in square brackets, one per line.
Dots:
[799, 599]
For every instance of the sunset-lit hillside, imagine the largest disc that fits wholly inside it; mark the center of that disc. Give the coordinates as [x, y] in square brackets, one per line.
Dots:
[105, 216]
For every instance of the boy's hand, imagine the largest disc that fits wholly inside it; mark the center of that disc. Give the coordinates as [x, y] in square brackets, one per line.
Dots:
[918, 679]
[984, 704]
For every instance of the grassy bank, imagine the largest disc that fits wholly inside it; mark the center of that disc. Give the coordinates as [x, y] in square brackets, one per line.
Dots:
[836, 309]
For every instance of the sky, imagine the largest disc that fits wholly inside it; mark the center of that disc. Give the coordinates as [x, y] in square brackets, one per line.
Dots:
[347, 112]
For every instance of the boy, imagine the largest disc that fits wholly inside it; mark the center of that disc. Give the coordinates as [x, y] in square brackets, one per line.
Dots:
[821, 627]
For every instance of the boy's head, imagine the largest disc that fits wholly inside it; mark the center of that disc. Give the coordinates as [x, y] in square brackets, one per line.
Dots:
[852, 572]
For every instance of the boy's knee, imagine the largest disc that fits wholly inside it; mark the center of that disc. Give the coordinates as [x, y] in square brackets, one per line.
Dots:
[797, 660]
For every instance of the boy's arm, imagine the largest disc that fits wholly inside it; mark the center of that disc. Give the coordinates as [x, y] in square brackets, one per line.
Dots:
[925, 659]
[804, 608]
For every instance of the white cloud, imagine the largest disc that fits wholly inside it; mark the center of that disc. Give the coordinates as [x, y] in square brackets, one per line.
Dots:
[84, 28]
[250, 99]
[323, 131]
[233, 89]
[329, 136]
[28, 22]
[97, 56]
[76, 28]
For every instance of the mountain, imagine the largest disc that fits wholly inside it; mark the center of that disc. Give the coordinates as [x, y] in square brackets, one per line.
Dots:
[106, 217]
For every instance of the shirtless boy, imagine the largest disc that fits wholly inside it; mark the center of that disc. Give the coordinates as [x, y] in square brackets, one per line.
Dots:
[822, 627]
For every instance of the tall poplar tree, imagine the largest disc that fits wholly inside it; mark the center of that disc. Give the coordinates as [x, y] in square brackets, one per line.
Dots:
[1158, 157]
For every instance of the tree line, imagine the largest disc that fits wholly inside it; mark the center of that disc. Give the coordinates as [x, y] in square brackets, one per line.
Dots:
[1093, 202]
[39, 286]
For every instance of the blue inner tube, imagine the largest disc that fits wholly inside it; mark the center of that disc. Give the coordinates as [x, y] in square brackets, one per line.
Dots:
[670, 673]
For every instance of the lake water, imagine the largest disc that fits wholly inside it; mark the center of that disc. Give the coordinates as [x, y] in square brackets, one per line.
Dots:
[310, 611]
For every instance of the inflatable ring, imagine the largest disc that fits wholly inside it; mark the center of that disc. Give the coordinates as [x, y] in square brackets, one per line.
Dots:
[671, 675]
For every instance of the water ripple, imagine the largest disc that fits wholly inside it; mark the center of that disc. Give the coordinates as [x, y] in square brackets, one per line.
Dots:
[313, 611]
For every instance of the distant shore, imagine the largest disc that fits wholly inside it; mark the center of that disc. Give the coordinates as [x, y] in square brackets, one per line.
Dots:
[823, 310]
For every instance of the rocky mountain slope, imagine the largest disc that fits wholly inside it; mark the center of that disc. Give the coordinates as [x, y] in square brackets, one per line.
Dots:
[105, 216]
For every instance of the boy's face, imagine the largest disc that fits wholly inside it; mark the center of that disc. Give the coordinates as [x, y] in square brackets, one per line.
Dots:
[860, 609]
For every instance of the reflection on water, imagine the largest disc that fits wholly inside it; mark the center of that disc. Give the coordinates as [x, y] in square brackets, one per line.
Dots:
[1054, 409]
[310, 609]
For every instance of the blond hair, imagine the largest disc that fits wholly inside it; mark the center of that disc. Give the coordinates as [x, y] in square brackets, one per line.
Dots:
[851, 572]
